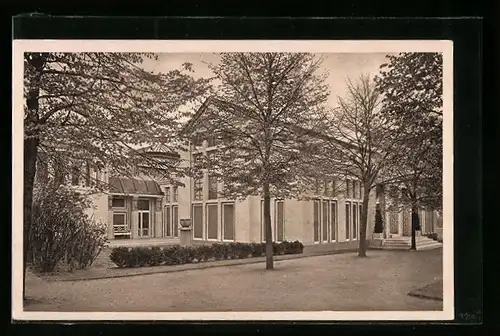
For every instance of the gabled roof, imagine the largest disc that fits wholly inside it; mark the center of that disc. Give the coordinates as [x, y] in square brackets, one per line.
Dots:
[210, 100]
[192, 122]
[130, 186]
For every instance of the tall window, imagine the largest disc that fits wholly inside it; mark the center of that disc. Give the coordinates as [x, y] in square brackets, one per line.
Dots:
[168, 221]
[348, 189]
[333, 190]
[333, 221]
[347, 220]
[326, 188]
[167, 194]
[316, 226]
[212, 187]
[354, 221]
[198, 221]
[325, 214]
[176, 194]
[212, 221]
[228, 221]
[263, 222]
[198, 189]
[98, 175]
[175, 220]
[280, 221]
[360, 207]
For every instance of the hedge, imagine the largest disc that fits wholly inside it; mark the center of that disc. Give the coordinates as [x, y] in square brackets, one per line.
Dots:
[178, 255]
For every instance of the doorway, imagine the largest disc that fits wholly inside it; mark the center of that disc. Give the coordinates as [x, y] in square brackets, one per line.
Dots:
[144, 225]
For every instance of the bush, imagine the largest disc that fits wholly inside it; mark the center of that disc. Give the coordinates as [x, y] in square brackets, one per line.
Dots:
[258, 250]
[89, 242]
[178, 255]
[61, 231]
[379, 223]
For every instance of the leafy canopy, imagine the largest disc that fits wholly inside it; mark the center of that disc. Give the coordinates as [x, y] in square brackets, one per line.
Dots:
[261, 113]
[103, 106]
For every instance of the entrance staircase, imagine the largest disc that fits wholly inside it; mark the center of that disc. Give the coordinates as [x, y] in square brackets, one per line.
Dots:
[404, 243]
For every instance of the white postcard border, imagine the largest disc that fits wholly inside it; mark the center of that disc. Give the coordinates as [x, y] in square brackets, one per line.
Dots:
[199, 46]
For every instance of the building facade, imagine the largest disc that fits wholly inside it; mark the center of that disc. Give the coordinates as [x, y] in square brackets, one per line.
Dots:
[141, 208]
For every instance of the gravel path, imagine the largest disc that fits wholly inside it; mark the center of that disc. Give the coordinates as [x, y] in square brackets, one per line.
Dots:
[333, 282]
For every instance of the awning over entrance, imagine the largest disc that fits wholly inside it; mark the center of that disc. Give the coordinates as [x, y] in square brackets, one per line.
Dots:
[130, 186]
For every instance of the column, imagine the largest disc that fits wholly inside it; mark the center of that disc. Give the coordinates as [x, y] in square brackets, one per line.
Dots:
[387, 226]
[185, 232]
[134, 219]
[184, 192]
[385, 217]
[158, 215]
[400, 223]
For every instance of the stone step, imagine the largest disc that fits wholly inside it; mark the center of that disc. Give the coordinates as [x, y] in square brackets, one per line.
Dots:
[418, 242]
[405, 248]
[405, 243]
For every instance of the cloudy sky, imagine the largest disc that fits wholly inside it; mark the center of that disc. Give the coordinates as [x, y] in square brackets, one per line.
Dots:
[339, 65]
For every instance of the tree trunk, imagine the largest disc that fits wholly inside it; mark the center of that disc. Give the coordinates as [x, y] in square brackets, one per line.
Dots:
[414, 219]
[30, 153]
[268, 228]
[364, 223]
[36, 62]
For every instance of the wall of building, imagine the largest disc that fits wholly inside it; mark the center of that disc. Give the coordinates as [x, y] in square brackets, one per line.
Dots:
[99, 208]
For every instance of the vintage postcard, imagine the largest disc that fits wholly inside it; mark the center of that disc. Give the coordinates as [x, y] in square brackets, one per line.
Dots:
[232, 180]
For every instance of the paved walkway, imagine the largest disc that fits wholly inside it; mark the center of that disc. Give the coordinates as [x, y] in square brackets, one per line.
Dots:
[331, 282]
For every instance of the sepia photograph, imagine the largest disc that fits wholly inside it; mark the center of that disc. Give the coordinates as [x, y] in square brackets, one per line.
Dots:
[191, 180]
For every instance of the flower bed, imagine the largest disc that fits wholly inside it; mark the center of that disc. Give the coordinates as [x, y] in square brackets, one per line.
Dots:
[178, 255]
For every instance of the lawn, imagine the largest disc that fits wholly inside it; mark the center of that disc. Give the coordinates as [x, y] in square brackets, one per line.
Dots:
[332, 282]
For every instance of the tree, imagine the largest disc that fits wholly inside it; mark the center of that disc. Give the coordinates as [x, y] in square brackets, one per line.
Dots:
[356, 142]
[98, 108]
[262, 99]
[412, 87]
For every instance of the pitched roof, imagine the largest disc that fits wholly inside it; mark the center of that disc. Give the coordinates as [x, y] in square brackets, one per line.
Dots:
[313, 133]
[129, 186]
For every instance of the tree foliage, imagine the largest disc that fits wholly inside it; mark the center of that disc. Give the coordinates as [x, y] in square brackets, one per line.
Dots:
[102, 106]
[98, 108]
[265, 106]
[412, 86]
[262, 110]
[358, 142]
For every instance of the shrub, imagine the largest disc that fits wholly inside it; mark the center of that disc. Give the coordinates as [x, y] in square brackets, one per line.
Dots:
[90, 240]
[61, 230]
[220, 251]
[379, 223]
[121, 257]
[155, 256]
[178, 255]
[258, 250]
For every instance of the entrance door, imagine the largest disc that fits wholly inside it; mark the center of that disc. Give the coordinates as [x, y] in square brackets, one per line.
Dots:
[144, 224]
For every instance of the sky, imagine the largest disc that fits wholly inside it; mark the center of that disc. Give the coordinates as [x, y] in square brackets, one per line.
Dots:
[340, 66]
